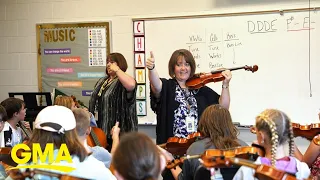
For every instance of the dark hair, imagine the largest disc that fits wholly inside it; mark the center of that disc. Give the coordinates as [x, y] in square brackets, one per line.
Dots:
[119, 59]
[187, 56]
[82, 121]
[70, 138]
[12, 105]
[278, 129]
[137, 157]
[3, 113]
[216, 124]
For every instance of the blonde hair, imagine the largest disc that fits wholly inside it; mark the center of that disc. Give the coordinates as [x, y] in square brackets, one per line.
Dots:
[278, 128]
[64, 101]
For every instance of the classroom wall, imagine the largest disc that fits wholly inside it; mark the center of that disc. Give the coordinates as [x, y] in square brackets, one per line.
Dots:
[18, 62]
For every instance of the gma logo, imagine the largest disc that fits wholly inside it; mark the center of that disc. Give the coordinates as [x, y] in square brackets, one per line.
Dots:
[46, 157]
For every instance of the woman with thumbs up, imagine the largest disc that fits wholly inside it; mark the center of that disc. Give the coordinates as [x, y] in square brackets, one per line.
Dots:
[177, 107]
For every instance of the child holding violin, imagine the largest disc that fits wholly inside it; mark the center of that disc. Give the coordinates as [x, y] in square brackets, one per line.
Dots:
[12, 134]
[274, 131]
[219, 132]
[311, 156]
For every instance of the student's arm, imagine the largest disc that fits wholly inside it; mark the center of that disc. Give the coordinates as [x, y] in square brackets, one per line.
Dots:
[155, 82]
[115, 137]
[297, 153]
[311, 153]
[169, 158]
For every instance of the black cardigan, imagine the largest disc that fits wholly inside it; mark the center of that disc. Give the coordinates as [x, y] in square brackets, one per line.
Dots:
[164, 106]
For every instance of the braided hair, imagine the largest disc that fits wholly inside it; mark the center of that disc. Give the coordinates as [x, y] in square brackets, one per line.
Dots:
[277, 126]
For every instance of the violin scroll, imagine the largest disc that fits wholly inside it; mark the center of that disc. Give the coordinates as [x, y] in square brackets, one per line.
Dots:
[253, 68]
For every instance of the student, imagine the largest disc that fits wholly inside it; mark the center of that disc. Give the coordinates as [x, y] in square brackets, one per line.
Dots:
[16, 112]
[137, 158]
[216, 127]
[3, 118]
[68, 102]
[311, 156]
[274, 130]
[56, 124]
[83, 129]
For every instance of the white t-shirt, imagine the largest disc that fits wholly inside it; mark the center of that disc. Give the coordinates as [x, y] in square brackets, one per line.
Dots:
[16, 136]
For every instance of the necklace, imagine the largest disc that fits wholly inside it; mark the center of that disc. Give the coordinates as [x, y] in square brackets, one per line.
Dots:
[106, 83]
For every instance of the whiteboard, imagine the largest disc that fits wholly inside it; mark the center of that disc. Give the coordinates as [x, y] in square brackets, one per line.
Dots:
[287, 78]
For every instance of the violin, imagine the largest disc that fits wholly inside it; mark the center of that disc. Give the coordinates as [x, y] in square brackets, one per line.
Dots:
[306, 131]
[211, 157]
[201, 79]
[27, 132]
[17, 174]
[5, 156]
[97, 136]
[178, 146]
[263, 171]
[316, 140]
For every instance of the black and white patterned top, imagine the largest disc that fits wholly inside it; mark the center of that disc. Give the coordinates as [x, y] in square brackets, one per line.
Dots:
[184, 97]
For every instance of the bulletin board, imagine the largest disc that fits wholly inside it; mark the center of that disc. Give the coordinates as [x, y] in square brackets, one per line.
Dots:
[72, 57]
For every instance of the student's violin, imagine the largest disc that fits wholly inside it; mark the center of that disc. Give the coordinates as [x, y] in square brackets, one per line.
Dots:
[97, 136]
[262, 171]
[27, 132]
[212, 156]
[201, 79]
[306, 131]
[178, 146]
[5, 156]
[316, 140]
[17, 174]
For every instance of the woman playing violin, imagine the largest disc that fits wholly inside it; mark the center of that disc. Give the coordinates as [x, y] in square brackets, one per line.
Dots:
[219, 132]
[274, 131]
[178, 107]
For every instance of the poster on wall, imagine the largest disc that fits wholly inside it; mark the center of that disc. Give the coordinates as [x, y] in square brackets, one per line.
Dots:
[72, 57]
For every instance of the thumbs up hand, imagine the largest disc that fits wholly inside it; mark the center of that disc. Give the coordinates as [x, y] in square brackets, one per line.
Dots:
[150, 62]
